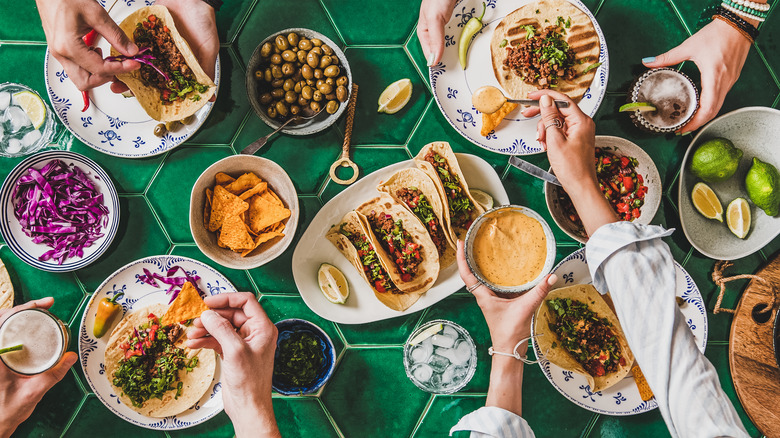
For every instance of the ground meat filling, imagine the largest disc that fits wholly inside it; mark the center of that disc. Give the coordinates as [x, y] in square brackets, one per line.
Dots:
[369, 260]
[398, 243]
[418, 203]
[460, 205]
[543, 57]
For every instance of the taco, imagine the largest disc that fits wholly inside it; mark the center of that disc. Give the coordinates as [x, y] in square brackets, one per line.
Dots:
[545, 44]
[149, 368]
[578, 331]
[351, 239]
[176, 86]
[6, 288]
[415, 190]
[439, 162]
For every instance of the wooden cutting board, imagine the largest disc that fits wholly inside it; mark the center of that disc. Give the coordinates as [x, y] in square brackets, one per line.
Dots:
[751, 355]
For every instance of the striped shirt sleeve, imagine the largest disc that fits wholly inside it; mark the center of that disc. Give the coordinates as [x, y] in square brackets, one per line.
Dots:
[494, 422]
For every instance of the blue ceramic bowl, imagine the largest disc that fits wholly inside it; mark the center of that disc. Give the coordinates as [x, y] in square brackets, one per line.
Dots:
[286, 328]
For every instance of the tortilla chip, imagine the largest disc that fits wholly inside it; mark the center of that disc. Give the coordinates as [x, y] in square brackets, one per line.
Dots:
[234, 234]
[187, 305]
[641, 383]
[243, 183]
[224, 204]
[265, 210]
[209, 196]
[223, 179]
[260, 239]
[260, 188]
[491, 121]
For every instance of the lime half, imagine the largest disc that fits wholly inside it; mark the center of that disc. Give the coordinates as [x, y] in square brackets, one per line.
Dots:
[33, 106]
[427, 333]
[395, 96]
[482, 197]
[637, 106]
[738, 217]
[332, 283]
[706, 202]
[17, 347]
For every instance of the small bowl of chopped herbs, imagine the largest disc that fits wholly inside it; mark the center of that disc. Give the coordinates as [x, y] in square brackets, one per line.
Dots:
[304, 360]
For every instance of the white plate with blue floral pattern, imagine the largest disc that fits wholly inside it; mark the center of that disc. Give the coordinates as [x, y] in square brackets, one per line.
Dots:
[113, 124]
[452, 85]
[139, 295]
[622, 398]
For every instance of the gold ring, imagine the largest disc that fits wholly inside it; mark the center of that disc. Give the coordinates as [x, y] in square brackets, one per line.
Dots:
[555, 122]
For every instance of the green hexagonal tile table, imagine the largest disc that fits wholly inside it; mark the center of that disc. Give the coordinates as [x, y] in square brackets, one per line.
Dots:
[369, 394]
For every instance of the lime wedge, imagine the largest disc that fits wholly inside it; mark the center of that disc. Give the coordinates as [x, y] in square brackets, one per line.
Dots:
[395, 96]
[637, 106]
[427, 333]
[483, 198]
[333, 284]
[33, 106]
[10, 349]
[738, 217]
[706, 202]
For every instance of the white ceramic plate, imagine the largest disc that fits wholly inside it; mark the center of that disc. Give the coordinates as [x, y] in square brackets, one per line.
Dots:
[139, 295]
[452, 86]
[23, 246]
[362, 306]
[622, 398]
[113, 124]
[755, 131]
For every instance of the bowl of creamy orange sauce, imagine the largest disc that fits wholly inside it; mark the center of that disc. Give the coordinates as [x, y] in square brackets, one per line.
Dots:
[510, 248]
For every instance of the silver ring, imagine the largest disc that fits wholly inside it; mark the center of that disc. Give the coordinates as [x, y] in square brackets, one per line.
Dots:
[473, 287]
[555, 122]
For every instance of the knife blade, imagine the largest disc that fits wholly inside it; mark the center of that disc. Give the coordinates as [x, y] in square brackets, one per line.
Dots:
[535, 171]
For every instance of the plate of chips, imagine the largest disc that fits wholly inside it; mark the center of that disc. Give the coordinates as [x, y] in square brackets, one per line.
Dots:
[243, 211]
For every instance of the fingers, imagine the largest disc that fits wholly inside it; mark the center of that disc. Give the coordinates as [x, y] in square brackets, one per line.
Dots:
[550, 115]
[222, 331]
[572, 110]
[58, 371]
[108, 29]
[118, 86]
[712, 96]
[42, 303]
[672, 57]
[245, 301]
[468, 277]
[208, 342]
[534, 297]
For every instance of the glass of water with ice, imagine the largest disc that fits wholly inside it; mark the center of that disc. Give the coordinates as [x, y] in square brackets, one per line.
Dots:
[26, 124]
[440, 357]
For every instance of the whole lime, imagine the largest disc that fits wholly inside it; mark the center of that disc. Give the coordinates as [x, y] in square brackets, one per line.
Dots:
[715, 160]
[763, 186]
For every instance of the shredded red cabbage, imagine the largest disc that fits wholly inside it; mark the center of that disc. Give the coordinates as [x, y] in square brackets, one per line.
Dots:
[59, 206]
[143, 57]
[171, 280]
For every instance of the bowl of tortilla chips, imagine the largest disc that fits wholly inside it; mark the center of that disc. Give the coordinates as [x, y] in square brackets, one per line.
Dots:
[243, 211]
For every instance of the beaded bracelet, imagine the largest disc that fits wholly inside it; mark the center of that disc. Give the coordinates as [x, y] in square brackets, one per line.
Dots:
[737, 21]
[216, 4]
[741, 13]
[745, 9]
[742, 32]
[761, 7]
[517, 355]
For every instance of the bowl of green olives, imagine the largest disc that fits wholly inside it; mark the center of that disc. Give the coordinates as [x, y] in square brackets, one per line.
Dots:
[298, 72]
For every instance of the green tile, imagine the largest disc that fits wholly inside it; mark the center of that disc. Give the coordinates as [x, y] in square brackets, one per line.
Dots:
[368, 159]
[128, 176]
[238, 278]
[358, 24]
[419, 58]
[302, 416]
[171, 189]
[444, 412]
[284, 307]
[267, 18]
[768, 39]
[390, 408]
[24, 65]
[719, 356]
[231, 106]
[626, 52]
[276, 277]
[393, 331]
[94, 417]
[373, 69]
[649, 425]
[695, 13]
[569, 419]
[26, 13]
[54, 410]
[230, 16]
[31, 284]
[772, 249]
[139, 235]
[218, 427]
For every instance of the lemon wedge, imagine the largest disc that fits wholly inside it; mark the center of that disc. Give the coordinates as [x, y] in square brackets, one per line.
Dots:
[333, 284]
[483, 198]
[33, 106]
[395, 96]
[738, 217]
[706, 202]
[427, 333]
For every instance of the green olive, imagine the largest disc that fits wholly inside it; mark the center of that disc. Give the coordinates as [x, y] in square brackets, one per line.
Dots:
[302, 56]
[276, 59]
[315, 106]
[307, 72]
[277, 83]
[331, 96]
[319, 82]
[332, 71]
[316, 50]
[310, 82]
[325, 88]
[341, 93]
[267, 75]
[189, 119]
[288, 69]
[259, 74]
[334, 59]
[289, 56]
[281, 43]
[316, 41]
[295, 109]
[271, 111]
[325, 61]
[342, 81]
[293, 39]
[276, 50]
[281, 108]
[317, 96]
[266, 98]
[288, 85]
[330, 81]
[276, 72]
[326, 49]
[159, 130]
[332, 107]
[313, 59]
[277, 93]
[266, 50]
[307, 92]
[297, 87]
[318, 73]
[303, 102]
[295, 49]
[290, 96]
[172, 125]
[297, 76]
[305, 44]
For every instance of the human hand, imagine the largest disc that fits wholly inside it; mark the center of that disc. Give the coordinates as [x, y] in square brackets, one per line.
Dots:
[508, 319]
[238, 329]
[20, 394]
[434, 14]
[719, 51]
[65, 22]
[196, 22]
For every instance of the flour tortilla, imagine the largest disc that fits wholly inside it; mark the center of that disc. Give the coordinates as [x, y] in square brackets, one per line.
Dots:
[352, 224]
[149, 96]
[6, 288]
[414, 177]
[195, 383]
[581, 36]
[443, 149]
[588, 294]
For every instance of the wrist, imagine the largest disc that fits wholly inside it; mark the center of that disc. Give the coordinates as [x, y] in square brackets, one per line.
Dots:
[254, 418]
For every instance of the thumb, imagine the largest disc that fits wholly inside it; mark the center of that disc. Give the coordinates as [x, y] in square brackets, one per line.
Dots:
[58, 371]
[115, 36]
[550, 113]
[672, 57]
[222, 330]
[536, 295]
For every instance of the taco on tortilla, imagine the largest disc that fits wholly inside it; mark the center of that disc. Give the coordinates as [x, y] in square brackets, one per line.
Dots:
[150, 369]
[439, 162]
[545, 44]
[578, 331]
[351, 238]
[6, 288]
[176, 86]
[414, 189]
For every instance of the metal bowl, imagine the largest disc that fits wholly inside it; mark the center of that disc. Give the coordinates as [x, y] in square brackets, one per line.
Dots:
[254, 87]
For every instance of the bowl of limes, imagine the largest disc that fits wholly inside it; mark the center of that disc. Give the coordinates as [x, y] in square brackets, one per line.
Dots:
[26, 123]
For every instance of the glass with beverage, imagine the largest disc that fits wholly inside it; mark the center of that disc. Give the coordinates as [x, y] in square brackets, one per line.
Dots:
[440, 357]
[672, 93]
[26, 124]
[44, 340]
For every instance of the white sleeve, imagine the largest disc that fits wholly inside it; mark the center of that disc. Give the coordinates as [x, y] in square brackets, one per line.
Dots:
[636, 267]
[494, 422]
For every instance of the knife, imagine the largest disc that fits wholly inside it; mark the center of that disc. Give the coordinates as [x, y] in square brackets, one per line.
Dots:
[535, 171]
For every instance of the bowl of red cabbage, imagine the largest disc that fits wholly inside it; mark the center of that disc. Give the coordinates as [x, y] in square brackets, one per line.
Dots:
[60, 211]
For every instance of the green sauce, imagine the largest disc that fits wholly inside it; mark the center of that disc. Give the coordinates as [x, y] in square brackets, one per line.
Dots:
[299, 359]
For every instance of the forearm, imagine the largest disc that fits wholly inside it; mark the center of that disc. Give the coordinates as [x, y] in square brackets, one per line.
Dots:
[255, 419]
[593, 209]
[506, 383]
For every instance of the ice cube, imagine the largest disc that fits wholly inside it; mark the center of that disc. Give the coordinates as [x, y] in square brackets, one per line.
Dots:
[5, 100]
[443, 341]
[451, 332]
[449, 353]
[18, 118]
[446, 375]
[459, 373]
[14, 146]
[461, 353]
[2, 133]
[438, 363]
[421, 352]
[31, 138]
[435, 382]
[422, 372]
